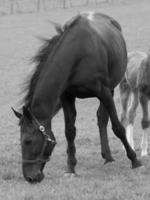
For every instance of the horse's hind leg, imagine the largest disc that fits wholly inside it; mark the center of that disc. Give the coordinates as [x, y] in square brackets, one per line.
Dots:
[131, 117]
[145, 124]
[105, 97]
[102, 118]
[68, 103]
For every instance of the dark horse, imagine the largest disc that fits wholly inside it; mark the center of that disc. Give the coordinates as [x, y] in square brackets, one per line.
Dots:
[136, 82]
[87, 58]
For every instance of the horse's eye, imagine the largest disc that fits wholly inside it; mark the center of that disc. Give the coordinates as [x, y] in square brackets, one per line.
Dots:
[28, 142]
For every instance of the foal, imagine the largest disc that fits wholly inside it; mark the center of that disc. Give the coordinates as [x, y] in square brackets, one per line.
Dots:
[136, 82]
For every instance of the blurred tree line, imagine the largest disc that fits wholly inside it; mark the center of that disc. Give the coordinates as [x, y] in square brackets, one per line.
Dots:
[14, 6]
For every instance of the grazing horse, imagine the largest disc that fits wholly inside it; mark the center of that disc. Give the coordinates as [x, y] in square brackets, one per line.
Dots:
[87, 58]
[136, 82]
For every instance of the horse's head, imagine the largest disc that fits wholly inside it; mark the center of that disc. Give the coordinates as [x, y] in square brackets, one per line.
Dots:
[37, 143]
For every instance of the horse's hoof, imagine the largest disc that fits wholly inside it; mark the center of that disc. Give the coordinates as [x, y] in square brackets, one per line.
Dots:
[136, 164]
[108, 161]
[70, 175]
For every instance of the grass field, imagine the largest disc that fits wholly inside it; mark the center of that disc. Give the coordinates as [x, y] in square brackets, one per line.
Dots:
[96, 181]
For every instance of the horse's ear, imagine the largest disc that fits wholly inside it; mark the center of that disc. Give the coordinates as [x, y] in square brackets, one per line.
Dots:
[27, 113]
[57, 27]
[17, 114]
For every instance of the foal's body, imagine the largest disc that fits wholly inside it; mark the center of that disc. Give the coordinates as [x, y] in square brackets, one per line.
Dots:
[136, 83]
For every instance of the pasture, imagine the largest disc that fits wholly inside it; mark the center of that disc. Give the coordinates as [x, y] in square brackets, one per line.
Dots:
[96, 181]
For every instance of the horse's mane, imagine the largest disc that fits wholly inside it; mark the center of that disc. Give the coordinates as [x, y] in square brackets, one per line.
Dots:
[41, 57]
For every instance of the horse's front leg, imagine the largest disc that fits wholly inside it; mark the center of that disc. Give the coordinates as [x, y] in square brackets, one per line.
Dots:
[68, 103]
[102, 118]
[105, 97]
[145, 124]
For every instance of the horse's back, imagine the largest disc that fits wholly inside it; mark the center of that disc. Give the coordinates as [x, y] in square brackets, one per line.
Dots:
[102, 18]
[110, 31]
[104, 43]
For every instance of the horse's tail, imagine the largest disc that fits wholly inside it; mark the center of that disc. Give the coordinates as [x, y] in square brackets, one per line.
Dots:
[123, 84]
[57, 107]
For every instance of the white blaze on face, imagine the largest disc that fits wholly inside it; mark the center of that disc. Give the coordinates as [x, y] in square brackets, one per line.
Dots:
[91, 15]
[144, 143]
[129, 135]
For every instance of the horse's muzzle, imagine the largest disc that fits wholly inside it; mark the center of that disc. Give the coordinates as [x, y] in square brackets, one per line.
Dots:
[33, 173]
[36, 178]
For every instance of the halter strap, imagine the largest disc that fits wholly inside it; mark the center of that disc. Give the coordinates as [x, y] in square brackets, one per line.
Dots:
[41, 128]
[46, 139]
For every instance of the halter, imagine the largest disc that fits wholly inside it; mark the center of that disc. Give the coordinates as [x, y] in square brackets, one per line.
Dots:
[46, 140]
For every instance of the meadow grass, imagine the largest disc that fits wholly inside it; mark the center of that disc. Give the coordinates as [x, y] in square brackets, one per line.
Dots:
[96, 181]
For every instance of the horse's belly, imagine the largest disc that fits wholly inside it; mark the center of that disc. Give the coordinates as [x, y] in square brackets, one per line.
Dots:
[82, 92]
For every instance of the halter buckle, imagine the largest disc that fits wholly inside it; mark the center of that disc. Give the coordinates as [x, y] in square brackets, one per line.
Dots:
[42, 128]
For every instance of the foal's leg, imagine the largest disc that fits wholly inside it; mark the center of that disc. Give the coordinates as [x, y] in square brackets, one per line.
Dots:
[131, 117]
[102, 117]
[145, 124]
[105, 97]
[125, 92]
[68, 103]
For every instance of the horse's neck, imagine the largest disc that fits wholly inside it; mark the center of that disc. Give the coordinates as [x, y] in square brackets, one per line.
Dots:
[54, 80]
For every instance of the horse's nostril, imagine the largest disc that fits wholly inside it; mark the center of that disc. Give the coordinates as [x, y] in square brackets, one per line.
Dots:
[29, 179]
